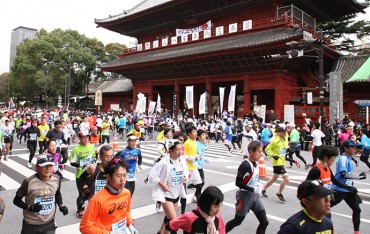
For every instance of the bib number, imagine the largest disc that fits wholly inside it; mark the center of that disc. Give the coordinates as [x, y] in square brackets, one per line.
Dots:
[33, 137]
[176, 177]
[99, 185]
[131, 176]
[85, 162]
[59, 142]
[282, 151]
[47, 204]
[121, 225]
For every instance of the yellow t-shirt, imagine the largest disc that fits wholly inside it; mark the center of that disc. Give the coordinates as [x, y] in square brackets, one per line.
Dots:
[190, 149]
[44, 129]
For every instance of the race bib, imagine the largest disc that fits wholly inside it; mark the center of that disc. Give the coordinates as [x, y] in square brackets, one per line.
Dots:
[131, 176]
[47, 203]
[75, 125]
[142, 130]
[282, 151]
[100, 184]
[176, 177]
[121, 225]
[349, 182]
[328, 186]
[59, 142]
[44, 132]
[33, 137]
[85, 162]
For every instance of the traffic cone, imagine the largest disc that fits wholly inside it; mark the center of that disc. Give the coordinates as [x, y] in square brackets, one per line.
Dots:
[115, 142]
[261, 165]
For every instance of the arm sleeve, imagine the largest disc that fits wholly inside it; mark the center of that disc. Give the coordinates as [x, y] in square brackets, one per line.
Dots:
[244, 170]
[58, 195]
[314, 174]
[140, 159]
[21, 192]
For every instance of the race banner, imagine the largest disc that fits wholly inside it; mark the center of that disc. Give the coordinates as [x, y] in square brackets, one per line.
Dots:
[222, 94]
[309, 97]
[159, 110]
[141, 103]
[205, 26]
[174, 104]
[151, 107]
[231, 104]
[263, 113]
[190, 97]
[202, 104]
[289, 113]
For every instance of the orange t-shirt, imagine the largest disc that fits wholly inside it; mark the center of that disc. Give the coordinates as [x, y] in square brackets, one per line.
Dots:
[106, 209]
[94, 139]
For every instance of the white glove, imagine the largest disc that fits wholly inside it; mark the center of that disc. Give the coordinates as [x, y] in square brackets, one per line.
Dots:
[132, 229]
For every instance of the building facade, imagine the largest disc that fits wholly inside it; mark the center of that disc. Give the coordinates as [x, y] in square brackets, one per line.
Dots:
[18, 35]
[267, 48]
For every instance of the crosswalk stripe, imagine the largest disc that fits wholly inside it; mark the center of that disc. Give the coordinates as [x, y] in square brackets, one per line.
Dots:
[8, 183]
[216, 151]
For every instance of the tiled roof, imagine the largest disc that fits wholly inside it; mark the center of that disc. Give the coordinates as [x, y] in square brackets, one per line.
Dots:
[349, 65]
[208, 47]
[114, 86]
[142, 6]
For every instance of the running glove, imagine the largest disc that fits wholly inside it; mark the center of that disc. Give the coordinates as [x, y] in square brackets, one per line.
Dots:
[132, 229]
[362, 176]
[63, 209]
[35, 207]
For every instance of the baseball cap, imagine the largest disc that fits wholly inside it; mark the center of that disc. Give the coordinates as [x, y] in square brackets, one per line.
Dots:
[83, 133]
[312, 187]
[349, 143]
[45, 159]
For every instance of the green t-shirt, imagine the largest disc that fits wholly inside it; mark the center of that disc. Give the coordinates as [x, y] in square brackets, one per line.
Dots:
[83, 155]
[105, 132]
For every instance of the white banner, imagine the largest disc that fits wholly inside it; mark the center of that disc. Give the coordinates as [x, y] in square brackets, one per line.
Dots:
[202, 104]
[231, 104]
[141, 103]
[222, 95]
[114, 107]
[159, 110]
[151, 107]
[205, 26]
[309, 97]
[289, 113]
[190, 97]
[263, 113]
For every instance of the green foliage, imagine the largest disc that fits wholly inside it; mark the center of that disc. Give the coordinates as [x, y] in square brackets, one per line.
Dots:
[346, 31]
[43, 65]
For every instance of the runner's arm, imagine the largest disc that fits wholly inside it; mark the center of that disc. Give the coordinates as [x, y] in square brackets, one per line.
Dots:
[245, 173]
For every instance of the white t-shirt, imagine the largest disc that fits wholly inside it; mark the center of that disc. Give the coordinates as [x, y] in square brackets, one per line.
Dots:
[317, 134]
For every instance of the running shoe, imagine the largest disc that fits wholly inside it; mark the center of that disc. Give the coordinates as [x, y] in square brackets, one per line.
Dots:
[158, 207]
[10, 153]
[29, 165]
[5, 158]
[264, 193]
[281, 197]
[194, 200]
[306, 166]
[297, 164]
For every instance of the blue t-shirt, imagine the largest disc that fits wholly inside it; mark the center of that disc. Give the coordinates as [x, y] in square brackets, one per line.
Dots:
[365, 142]
[121, 123]
[228, 133]
[201, 148]
[132, 158]
[344, 163]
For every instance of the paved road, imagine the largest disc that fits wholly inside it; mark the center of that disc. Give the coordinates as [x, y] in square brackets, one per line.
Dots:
[221, 172]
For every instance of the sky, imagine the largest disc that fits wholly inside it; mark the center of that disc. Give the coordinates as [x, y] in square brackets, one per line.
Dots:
[67, 14]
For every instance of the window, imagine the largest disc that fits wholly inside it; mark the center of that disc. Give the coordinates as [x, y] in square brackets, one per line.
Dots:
[361, 111]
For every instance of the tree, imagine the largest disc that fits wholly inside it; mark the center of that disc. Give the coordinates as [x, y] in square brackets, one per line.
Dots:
[345, 32]
[113, 50]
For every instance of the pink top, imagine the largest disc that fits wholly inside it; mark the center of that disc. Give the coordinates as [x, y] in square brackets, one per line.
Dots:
[343, 136]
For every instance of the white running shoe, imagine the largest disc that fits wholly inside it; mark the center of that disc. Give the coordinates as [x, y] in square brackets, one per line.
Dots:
[29, 165]
[158, 207]
[194, 200]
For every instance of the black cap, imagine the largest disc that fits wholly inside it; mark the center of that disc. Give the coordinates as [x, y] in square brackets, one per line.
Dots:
[349, 143]
[312, 187]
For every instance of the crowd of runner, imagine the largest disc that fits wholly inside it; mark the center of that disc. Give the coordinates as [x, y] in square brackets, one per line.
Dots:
[107, 178]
